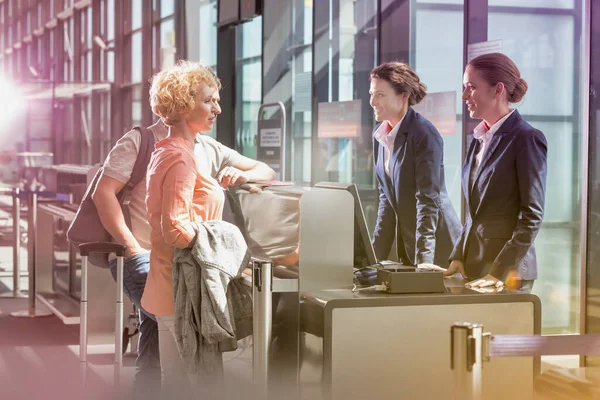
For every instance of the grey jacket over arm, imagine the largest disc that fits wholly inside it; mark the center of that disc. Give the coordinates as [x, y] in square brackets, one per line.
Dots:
[213, 308]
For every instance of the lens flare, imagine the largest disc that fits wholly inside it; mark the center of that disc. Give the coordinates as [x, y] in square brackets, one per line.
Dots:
[12, 101]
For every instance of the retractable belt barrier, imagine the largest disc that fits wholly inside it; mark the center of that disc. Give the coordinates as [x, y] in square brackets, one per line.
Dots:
[263, 287]
[471, 347]
[262, 303]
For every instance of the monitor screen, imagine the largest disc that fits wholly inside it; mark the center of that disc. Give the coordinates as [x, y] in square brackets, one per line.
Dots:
[364, 254]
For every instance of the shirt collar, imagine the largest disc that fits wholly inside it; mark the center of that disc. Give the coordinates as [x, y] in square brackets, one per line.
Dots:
[386, 134]
[480, 132]
[161, 131]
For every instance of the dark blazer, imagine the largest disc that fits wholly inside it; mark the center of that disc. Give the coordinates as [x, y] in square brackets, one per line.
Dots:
[505, 202]
[413, 203]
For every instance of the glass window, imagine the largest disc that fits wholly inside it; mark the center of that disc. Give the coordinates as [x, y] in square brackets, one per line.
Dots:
[110, 20]
[167, 8]
[342, 89]
[136, 57]
[249, 81]
[300, 127]
[89, 27]
[167, 43]
[136, 14]
[167, 34]
[566, 4]
[251, 47]
[432, 45]
[89, 66]
[545, 47]
[207, 38]
[110, 66]
[136, 105]
[201, 25]
[102, 9]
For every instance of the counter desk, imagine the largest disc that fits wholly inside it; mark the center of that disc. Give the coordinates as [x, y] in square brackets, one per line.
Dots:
[370, 344]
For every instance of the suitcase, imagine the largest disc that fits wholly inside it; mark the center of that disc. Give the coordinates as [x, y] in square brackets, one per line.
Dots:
[85, 249]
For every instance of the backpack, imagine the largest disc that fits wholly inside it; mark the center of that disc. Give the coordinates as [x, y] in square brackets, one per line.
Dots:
[86, 226]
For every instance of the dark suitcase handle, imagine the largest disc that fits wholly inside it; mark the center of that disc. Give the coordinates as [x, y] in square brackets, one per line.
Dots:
[101, 247]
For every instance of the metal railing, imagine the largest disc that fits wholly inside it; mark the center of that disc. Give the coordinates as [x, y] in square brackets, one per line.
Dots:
[32, 201]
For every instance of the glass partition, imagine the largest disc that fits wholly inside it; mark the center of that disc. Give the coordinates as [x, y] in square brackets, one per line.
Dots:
[545, 42]
[345, 41]
[429, 46]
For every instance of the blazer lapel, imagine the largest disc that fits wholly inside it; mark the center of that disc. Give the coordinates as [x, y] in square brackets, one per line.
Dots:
[387, 183]
[401, 139]
[466, 173]
[506, 127]
[487, 155]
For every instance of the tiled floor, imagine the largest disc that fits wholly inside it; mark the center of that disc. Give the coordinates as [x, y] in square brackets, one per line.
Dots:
[39, 359]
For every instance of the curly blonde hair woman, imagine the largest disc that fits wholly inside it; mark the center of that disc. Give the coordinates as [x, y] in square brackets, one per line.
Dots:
[184, 181]
[185, 97]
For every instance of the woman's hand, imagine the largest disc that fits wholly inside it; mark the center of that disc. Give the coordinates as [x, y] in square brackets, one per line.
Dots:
[252, 188]
[431, 267]
[456, 266]
[487, 281]
[231, 176]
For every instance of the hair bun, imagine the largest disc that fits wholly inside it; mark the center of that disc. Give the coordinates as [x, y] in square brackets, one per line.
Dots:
[519, 92]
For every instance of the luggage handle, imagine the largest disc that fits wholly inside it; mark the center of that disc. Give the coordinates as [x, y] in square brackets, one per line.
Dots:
[101, 247]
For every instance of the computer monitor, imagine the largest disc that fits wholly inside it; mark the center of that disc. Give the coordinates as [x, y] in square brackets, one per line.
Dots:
[363, 249]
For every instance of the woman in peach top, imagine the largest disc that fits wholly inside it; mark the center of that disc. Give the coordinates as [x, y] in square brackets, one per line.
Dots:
[186, 98]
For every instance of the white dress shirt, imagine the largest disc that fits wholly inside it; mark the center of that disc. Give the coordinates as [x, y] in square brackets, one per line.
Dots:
[485, 137]
[386, 135]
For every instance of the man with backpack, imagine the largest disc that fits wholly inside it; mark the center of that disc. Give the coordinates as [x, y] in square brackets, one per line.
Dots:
[226, 165]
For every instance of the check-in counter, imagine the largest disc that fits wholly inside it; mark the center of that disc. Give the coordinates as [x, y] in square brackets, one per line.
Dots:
[367, 344]
[331, 342]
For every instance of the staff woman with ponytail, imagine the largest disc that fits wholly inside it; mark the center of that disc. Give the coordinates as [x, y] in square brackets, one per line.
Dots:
[408, 153]
[503, 179]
